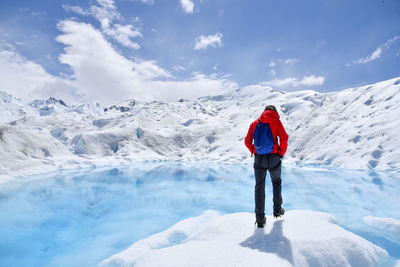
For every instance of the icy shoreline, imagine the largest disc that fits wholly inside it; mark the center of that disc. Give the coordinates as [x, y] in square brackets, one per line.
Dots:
[48, 170]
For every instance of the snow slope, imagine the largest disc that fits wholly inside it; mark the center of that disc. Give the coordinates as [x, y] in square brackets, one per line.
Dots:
[354, 128]
[302, 238]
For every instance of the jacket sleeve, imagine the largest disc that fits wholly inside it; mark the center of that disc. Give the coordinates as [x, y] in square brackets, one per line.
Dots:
[248, 141]
[283, 139]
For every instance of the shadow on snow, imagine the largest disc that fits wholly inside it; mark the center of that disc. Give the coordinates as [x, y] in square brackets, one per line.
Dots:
[273, 242]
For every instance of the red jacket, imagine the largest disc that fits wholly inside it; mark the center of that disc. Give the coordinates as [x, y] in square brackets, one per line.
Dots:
[271, 117]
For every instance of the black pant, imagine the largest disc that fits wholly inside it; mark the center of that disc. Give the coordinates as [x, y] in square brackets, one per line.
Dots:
[262, 163]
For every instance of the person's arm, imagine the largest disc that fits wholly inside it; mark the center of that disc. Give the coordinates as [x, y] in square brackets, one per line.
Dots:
[283, 139]
[248, 141]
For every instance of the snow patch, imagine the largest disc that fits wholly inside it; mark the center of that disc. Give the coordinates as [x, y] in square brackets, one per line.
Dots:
[389, 224]
[301, 238]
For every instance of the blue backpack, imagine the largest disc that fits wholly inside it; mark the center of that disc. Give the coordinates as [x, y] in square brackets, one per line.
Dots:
[263, 138]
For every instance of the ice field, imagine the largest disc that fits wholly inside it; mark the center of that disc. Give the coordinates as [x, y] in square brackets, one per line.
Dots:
[356, 128]
[82, 217]
[125, 138]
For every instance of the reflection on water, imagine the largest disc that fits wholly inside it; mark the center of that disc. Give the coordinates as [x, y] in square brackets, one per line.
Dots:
[76, 218]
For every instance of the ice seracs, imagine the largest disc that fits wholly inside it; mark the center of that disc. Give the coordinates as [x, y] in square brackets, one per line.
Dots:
[356, 128]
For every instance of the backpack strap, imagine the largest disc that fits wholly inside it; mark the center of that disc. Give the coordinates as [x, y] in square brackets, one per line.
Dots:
[277, 145]
[252, 148]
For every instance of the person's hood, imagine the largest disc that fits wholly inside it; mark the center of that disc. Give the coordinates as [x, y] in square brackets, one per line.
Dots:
[269, 116]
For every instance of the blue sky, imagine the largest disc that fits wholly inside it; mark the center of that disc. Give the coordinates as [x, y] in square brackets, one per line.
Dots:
[110, 50]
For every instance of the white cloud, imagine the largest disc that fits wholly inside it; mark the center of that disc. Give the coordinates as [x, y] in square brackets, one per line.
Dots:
[272, 64]
[187, 5]
[291, 61]
[389, 42]
[107, 76]
[202, 42]
[377, 52]
[76, 9]
[198, 85]
[122, 34]
[178, 68]
[282, 82]
[26, 79]
[106, 13]
[375, 55]
[272, 72]
[311, 80]
[7, 46]
[145, 1]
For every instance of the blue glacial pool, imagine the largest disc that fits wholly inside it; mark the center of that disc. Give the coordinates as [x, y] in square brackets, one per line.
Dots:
[79, 218]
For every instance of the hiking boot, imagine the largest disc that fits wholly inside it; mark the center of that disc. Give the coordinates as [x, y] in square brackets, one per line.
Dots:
[279, 212]
[260, 224]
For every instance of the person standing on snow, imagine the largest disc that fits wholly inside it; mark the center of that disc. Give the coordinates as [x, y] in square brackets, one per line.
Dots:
[262, 141]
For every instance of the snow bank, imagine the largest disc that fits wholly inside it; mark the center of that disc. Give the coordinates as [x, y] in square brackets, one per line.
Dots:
[301, 238]
[386, 227]
[389, 224]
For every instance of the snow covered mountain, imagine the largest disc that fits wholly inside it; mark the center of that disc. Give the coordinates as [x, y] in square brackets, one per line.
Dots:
[354, 128]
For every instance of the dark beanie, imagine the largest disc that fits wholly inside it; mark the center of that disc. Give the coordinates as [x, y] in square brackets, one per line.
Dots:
[270, 107]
